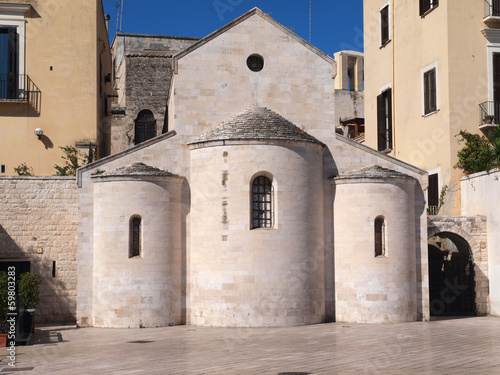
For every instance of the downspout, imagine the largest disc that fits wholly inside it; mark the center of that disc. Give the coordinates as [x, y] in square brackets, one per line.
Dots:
[393, 11]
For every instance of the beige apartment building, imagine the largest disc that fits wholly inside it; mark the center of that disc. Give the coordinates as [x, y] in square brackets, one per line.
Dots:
[430, 72]
[55, 65]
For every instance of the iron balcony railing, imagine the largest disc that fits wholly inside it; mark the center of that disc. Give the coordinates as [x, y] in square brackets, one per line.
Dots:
[491, 8]
[489, 112]
[20, 88]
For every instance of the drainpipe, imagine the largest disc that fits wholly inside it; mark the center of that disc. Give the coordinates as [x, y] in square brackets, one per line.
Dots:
[107, 17]
[393, 11]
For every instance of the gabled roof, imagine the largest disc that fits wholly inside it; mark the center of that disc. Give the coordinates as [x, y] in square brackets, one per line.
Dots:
[254, 11]
[257, 123]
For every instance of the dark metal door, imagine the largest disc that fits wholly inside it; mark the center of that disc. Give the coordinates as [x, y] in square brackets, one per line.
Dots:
[451, 287]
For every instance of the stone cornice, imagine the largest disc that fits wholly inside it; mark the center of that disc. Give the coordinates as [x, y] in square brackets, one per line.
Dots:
[19, 8]
[492, 35]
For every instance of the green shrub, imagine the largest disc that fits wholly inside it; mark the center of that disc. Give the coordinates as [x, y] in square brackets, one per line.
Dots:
[29, 286]
[477, 155]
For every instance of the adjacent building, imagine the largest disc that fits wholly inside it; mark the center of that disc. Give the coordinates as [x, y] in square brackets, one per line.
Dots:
[142, 72]
[55, 67]
[430, 72]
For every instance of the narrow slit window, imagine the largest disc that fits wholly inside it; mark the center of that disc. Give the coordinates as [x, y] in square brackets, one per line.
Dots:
[135, 236]
[379, 237]
[262, 203]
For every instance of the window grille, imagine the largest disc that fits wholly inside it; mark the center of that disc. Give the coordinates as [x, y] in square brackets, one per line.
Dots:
[262, 203]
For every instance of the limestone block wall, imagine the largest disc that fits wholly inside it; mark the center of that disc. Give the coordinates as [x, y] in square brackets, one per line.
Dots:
[481, 196]
[474, 231]
[241, 276]
[369, 288]
[43, 212]
[144, 290]
[296, 81]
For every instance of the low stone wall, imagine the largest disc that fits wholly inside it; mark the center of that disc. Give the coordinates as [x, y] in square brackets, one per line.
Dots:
[43, 212]
[481, 196]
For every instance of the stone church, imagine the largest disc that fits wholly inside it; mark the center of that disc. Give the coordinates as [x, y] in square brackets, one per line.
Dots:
[249, 210]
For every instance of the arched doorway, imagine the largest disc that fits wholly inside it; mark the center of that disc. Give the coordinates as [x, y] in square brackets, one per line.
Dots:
[451, 276]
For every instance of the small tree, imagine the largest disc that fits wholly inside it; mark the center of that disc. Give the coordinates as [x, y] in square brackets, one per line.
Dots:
[477, 155]
[29, 286]
[24, 170]
[72, 157]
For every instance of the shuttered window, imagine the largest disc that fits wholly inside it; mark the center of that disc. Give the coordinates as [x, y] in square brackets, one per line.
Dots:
[433, 191]
[430, 91]
[384, 121]
[384, 25]
[426, 5]
[8, 62]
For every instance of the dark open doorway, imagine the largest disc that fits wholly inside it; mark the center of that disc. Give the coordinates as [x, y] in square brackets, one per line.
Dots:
[451, 276]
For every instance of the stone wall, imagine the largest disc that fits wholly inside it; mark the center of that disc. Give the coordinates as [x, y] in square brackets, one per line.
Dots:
[43, 212]
[143, 72]
[473, 230]
[481, 196]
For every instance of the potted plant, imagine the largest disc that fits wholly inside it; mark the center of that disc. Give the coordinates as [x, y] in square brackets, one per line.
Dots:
[3, 308]
[29, 287]
[488, 119]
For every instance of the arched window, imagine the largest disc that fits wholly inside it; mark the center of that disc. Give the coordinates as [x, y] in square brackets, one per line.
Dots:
[379, 236]
[262, 203]
[135, 235]
[145, 126]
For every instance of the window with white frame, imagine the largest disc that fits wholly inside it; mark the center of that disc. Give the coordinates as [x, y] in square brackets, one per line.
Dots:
[384, 120]
[430, 97]
[12, 41]
[385, 23]
[427, 5]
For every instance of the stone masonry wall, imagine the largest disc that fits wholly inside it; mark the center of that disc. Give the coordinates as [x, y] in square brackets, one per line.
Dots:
[43, 212]
[474, 231]
[147, 84]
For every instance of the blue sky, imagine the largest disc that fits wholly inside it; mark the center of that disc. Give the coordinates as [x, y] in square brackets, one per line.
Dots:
[336, 24]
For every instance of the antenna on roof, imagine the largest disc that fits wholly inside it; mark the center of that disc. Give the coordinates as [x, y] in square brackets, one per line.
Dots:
[310, 19]
[119, 16]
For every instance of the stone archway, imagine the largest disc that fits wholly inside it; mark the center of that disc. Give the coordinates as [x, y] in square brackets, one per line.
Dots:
[458, 255]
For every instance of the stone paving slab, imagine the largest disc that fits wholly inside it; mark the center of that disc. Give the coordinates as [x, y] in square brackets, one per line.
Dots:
[456, 346]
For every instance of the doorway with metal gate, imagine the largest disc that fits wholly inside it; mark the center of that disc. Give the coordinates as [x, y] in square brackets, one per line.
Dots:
[451, 276]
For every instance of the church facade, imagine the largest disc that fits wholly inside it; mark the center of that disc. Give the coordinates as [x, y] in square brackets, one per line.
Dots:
[250, 211]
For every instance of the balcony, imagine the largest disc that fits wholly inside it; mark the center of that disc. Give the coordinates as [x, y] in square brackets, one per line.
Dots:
[489, 117]
[19, 88]
[492, 13]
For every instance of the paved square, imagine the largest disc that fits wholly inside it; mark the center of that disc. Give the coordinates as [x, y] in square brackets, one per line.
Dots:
[455, 346]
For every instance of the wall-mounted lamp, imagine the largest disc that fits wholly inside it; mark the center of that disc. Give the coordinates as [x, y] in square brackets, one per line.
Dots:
[38, 132]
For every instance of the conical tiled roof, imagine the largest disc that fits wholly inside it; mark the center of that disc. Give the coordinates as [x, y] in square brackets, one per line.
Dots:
[372, 171]
[135, 169]
[258, 123]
